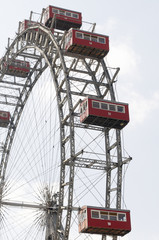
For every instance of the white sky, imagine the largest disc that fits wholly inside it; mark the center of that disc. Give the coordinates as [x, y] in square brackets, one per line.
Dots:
[134, 47]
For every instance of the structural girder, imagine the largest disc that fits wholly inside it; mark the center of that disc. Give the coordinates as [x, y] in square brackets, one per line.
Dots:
[46, 50]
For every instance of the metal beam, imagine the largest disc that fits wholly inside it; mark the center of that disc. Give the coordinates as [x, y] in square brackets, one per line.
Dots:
[22, 204]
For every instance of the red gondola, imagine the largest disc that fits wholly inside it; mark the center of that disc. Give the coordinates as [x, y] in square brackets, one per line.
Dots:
[87, 43]
[64, 19]
[95, 220]
[4, 119]
[16, 68]
[26, 24]
[104, 113]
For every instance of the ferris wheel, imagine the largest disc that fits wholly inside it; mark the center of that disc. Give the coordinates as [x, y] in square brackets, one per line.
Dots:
[60, 127]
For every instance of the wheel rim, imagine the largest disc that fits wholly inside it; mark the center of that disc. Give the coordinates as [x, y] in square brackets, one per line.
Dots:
[73, 145]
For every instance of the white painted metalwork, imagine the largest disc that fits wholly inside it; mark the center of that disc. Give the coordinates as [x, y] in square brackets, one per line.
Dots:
[88, 169]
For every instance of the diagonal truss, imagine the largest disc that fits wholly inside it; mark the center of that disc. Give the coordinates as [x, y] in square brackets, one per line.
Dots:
[74, 77]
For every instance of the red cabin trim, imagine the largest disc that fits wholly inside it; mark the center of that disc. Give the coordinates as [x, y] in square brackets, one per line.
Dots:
[104, 113]
[64, 18]
[4, 118]
[87, 43]
[26, 24]
[95, 220]
[17, 68]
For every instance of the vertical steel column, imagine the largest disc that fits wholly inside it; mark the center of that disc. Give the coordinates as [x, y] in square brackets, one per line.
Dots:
[119, 177]
[119, 154]
[108, 172]
[72, 154]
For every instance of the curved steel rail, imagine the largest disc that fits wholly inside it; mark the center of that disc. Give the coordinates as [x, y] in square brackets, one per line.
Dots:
[38, 43]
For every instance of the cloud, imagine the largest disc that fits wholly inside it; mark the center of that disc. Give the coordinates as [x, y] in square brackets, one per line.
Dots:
[123, 54]
[142, 107]
[108, 27]
[121, 44]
